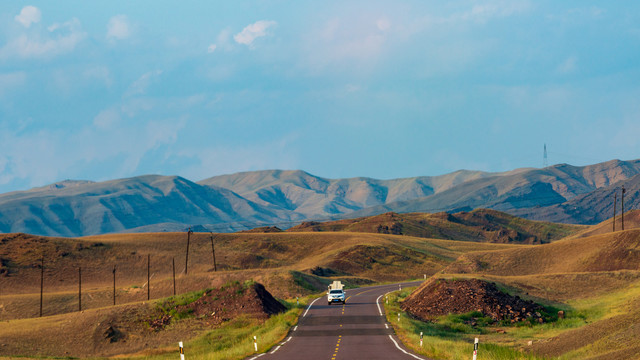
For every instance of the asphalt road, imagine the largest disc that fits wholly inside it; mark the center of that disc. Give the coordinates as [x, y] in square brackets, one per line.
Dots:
[356, 330]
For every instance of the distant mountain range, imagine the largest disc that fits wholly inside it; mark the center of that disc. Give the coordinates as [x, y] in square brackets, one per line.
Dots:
[560, 193]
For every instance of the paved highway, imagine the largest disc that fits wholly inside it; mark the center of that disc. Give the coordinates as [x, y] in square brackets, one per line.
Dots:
[356, 330]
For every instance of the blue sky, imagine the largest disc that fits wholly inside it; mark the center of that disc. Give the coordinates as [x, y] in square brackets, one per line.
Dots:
[103, 90]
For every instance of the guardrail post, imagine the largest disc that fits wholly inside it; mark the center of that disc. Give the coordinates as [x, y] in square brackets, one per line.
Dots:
[475, 349]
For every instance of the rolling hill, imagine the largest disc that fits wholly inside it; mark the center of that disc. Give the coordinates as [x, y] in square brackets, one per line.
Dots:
[478, 225]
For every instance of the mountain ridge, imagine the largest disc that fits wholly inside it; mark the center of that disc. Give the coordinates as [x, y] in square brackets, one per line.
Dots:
[240, 201]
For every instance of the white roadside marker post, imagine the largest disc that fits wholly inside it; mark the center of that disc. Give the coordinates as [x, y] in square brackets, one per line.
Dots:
[255, 343]
[400, 287]
[420, 338]
[181, 351]
[398, 318]
[475, 349]
[297, 301]
[387, 298]
[425, 276]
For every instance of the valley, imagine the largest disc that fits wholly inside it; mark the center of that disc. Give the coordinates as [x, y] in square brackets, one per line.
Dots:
[588, 272]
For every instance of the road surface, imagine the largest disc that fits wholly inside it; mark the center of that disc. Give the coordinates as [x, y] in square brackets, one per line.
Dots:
[356, 330]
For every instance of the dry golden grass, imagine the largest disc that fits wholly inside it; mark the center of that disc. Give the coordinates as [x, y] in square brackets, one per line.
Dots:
[598, 275]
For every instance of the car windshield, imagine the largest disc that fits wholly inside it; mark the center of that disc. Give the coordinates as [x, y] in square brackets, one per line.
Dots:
[336, 292]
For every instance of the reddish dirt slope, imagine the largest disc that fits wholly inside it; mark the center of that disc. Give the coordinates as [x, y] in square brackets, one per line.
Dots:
[439, 297]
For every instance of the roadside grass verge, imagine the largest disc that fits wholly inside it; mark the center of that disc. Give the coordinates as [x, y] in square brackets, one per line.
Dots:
[449, 337]
[233, 340]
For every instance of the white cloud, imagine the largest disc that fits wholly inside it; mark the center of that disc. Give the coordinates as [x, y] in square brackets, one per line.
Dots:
[53, 154]
[276, 154]
[568, 66]
[140, 86]
[51, 43]
[211, 48]
[383, 24]
[118, 28]
[482, 13]
[28, 15]
[253, 31]
[106, 119]
[99, 73]
[357, 40]
[10, 81]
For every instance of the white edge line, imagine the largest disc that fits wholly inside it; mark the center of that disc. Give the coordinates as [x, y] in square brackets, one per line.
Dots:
[255, 357]
[378, 301]
[305, 313]
[401, 349]
[281, 345]
[295, 328]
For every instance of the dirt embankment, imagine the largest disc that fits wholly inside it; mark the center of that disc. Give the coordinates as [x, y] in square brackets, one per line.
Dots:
[137, 327]
[441, 297]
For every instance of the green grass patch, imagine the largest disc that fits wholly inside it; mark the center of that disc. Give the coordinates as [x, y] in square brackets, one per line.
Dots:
[233, 340]
[169, 305]
[450, 337]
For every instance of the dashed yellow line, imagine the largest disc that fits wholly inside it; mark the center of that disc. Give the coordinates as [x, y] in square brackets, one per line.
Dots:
[360, 293]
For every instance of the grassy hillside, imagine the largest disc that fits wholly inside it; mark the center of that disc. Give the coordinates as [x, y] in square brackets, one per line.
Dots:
[594, 279]
[477, 225]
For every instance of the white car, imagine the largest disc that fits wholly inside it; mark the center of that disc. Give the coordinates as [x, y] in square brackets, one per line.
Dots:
[335, 296]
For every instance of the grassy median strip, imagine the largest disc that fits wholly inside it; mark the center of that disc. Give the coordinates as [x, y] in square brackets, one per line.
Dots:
[448, 338]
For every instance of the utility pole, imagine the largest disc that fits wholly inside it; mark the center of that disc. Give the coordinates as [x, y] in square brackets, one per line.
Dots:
[173, 261]
[41, 283]
[114, 285]
[79, 289]
[148, 277]
[623, 191]
[186, 262]
[615, 200]
[213, 252]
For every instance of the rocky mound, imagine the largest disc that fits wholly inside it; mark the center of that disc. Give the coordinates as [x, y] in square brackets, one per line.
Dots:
[215, 306]
[441, 297]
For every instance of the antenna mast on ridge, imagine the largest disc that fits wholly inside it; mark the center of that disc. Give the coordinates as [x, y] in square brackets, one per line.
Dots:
[545, 162]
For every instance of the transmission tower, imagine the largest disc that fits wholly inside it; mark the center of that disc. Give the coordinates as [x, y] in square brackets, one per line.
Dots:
[545, 162]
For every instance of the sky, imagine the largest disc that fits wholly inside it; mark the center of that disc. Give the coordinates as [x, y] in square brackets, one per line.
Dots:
[101, 90]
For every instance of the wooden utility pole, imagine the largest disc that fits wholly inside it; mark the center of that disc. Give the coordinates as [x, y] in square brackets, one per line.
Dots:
[79, 289]
[213, 252]
[622, 198]
[615, 200]
[41, 283]
[148, 277]
[186, 262]
[173, 261]
[114, 285]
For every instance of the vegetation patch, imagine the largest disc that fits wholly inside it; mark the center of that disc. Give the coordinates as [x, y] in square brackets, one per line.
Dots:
[449, 336]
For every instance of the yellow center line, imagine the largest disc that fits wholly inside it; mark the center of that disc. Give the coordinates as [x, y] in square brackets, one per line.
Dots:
[360, 293]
